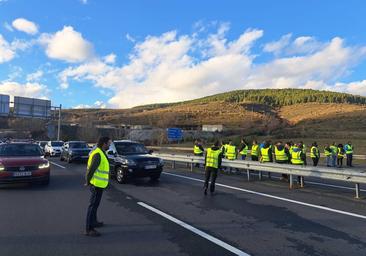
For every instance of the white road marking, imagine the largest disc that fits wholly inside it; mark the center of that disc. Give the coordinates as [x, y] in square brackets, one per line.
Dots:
[216, 241]
[63, 167]
[275, 197]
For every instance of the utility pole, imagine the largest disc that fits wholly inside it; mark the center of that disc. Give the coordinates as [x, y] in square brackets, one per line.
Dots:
[59, 122]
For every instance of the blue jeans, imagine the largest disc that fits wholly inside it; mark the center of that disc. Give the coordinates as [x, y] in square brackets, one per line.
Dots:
[243, 157]
[328, 160]
[334, 160]
[91, 217]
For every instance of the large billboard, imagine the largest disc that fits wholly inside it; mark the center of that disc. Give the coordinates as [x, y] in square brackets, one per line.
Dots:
[4, 105]
[29, 107]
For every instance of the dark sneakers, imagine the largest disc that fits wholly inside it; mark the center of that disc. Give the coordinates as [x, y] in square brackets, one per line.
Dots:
[92, 233]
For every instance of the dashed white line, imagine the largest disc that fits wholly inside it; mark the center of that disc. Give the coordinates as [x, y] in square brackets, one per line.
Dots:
[63, 167]
[274, 197]
[216, 241]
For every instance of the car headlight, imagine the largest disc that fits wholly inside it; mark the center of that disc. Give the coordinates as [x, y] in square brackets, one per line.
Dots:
[161, 161]
[129, 162]
[2, 168]
[44, 166]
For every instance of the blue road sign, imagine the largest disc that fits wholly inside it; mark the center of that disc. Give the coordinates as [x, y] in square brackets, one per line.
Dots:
[174, 134]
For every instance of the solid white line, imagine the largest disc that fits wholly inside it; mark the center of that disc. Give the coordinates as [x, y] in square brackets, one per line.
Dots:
[276, 197]
[195, 230]
[63, 167]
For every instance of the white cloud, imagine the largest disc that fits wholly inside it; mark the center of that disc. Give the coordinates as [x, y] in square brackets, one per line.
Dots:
[167, 68]
[68, 45]
[110, 58]
[8, 26]
[130, 38]
[97, 104]
[34, 77]
[6, 52]
[25, 25]
[29, 89]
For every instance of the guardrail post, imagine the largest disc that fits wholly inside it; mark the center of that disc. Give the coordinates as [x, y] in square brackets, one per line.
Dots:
[173, 165]
[291, 182]
[192, 166]
[248, 174]
[260, 175]
[269, 175]
[301, 181]
[357, 189]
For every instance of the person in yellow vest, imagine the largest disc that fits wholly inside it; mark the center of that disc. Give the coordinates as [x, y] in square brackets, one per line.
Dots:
[198, 150]
[213, 159]
[340, 155]
[298, 157]
[328, 155]
[230, 152]
[315, 153]
[266, 153]
[349, 153]
[281, 156]
[97, 178]
[334, 149]
[255, 151]
[243, 151]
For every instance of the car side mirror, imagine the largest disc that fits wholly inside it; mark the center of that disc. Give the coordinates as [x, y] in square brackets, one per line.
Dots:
[151, 151]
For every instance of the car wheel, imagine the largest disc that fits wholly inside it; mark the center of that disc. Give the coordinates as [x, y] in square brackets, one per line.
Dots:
[121, 175]
[155, 177]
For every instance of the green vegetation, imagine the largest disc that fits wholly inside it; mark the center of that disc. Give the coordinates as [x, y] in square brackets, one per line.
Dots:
[273, 97]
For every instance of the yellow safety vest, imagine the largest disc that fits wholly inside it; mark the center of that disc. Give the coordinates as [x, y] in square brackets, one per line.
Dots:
[100, 177]
[349, 149]
[281, 154]
[304, 148]
[230, 152]
[197, 150]
[334, 150]
[327, 152]
[291, 149]
[255, 150]
[340, 154]
[212, 158]
[265, 155]
[316, 155]
[244, 151]
[296, 158]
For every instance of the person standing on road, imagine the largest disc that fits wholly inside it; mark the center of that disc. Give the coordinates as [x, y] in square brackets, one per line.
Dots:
[198, 150]
[97, 178]
[315, 153]
[243, 151]
[213, 160]
[328, 155]
[340, 155]
[334, 149]
[255, 151]
[348, 148]
[281, 156]
[298, 158]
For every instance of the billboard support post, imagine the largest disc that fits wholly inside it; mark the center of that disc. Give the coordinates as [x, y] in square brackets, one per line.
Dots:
[59, 122]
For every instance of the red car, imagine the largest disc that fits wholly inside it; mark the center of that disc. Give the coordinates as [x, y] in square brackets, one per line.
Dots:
[22, 162]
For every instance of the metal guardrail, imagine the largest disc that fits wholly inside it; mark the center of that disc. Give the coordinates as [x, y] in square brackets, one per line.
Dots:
[359, 157]
[355, 176]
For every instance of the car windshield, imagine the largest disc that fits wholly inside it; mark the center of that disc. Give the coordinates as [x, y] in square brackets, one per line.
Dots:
[20, 150]
[130, 148]
[57, 144]
[78, 145]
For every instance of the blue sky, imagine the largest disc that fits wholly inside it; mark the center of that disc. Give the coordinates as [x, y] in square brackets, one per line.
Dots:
[119, 54]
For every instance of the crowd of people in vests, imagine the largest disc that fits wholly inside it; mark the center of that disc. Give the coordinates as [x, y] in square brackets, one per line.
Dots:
[279, 152]
[266, 152]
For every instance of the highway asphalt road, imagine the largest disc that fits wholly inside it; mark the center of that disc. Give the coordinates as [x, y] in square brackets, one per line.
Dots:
[174, 217]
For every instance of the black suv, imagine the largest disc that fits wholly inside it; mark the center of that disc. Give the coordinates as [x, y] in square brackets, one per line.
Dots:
[74, 150]
[132, 159]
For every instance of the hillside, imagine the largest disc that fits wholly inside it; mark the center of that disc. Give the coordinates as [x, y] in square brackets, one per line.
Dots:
[263, 112]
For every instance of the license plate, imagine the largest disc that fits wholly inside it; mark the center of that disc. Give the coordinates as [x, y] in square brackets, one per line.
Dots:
[148, 167]
[21, 174]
